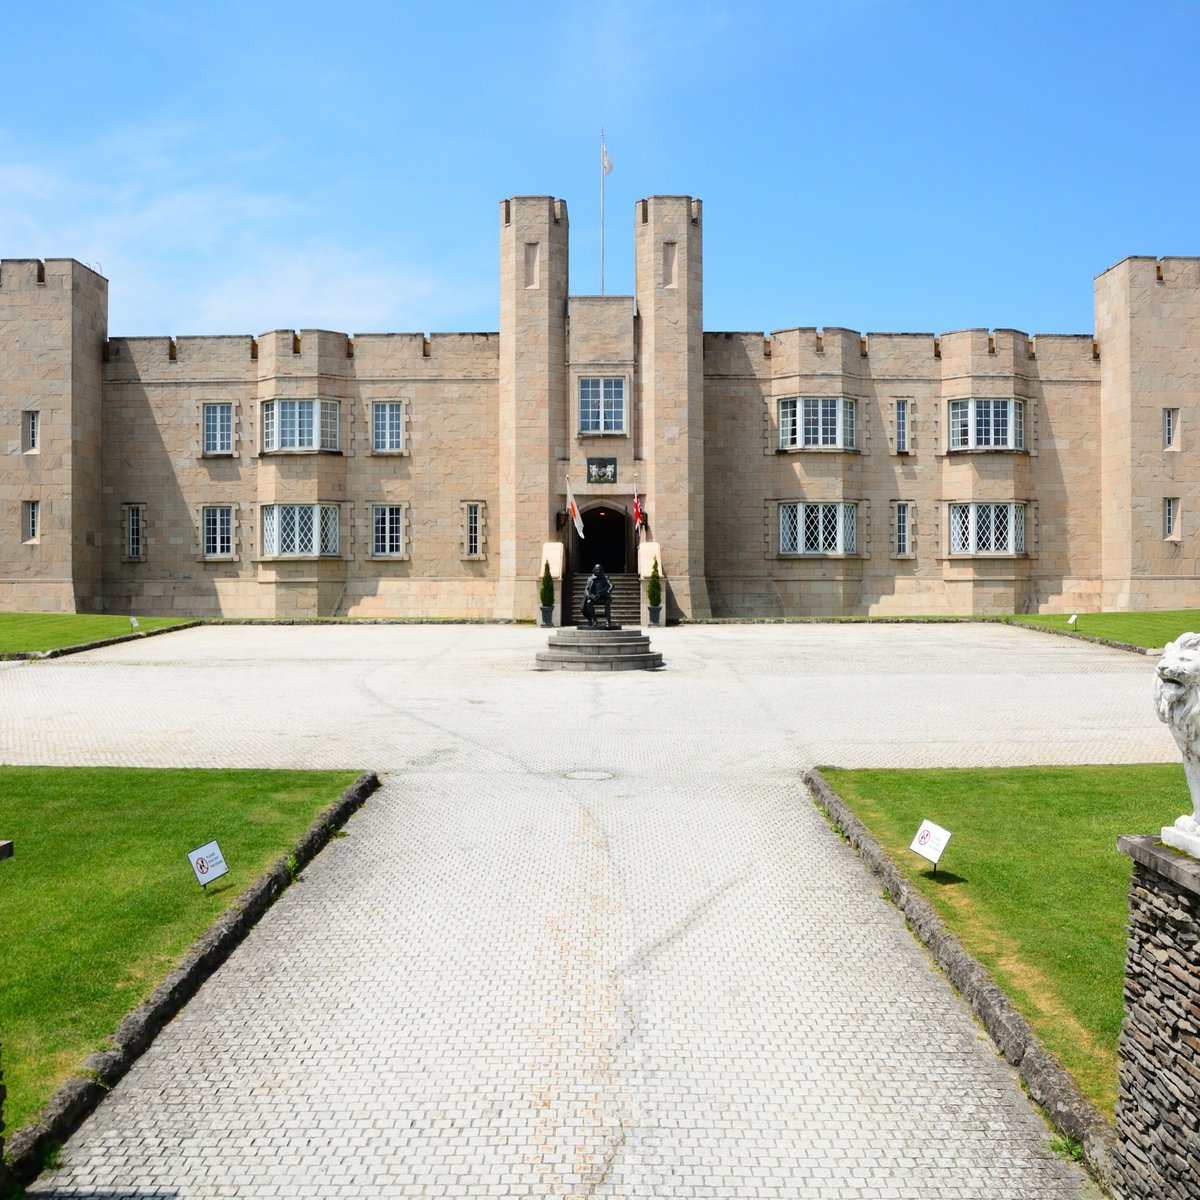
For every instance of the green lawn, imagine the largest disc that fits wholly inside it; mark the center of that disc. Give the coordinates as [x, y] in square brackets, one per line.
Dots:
[1032, 882]
[1149, 629]
[24, 633]
[99, 901]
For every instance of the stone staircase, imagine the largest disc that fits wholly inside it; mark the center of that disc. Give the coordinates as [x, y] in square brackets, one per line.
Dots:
[626, 600]
[584, 649]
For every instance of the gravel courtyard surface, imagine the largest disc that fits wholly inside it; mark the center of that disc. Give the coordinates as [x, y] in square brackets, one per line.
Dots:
[591, 938]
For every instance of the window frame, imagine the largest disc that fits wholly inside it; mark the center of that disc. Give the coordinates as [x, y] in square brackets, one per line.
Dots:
[31, 420]
[474, 540]
[901, 414]
[318, 520]
[212, 535]
[1170, 428]
[1016, 523]
[1171, 518]
[902, 528]
[399, 531]
[968, 417]
[301, 426]
[217, 435]
[817, 423]
[606, 389]
[133, 532]
[393, 431]
[31, 522]
[837, 516]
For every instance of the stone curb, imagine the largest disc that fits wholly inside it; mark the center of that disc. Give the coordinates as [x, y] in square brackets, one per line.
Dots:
[60, 651]
[1045, 1077]
[352, 621]
[838, 621]
[1067, 633]
[1129, 647]
[78, 1096]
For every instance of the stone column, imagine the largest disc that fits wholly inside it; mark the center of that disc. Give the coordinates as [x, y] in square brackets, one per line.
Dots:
[1158, 1099]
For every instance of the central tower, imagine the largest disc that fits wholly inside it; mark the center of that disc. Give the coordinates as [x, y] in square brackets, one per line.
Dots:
[532, 432]
[670, 351]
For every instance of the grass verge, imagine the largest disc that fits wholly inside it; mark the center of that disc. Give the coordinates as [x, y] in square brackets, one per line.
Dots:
[29, 633]
[99, 900]
[1145, 629]
[1032, 883]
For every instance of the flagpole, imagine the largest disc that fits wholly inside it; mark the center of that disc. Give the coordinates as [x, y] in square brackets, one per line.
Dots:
[602, 212]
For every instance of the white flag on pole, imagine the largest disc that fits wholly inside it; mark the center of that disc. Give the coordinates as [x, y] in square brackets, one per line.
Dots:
[605, 161]
[573, 509]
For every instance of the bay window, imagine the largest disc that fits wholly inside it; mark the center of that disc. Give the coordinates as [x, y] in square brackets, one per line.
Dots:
[301, 425]
[987, 528]
[818, 528]
[981, 423]
[300, 529]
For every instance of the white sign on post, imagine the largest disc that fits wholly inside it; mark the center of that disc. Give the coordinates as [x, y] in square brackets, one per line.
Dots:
[208, 862]
[930, 841]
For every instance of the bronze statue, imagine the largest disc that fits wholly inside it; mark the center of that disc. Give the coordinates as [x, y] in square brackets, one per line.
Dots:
[598, 591]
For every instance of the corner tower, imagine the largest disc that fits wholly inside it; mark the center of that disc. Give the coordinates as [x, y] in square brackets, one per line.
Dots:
[669, 293]
[1148, 329]
[532, 430]
[53, 329]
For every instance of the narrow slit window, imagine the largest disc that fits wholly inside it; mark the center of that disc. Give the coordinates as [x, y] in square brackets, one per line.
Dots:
[1171, 517]
[901, 541]
[1170, 428]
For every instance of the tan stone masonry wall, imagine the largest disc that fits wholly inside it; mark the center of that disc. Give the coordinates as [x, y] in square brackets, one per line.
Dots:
[491, 425]
[746, 375]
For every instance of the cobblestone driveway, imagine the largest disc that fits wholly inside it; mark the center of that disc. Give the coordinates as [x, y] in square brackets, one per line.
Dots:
[590, 939]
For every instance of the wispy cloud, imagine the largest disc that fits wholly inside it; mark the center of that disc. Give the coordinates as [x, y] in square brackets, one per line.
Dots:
[322, 286]
[184, 256]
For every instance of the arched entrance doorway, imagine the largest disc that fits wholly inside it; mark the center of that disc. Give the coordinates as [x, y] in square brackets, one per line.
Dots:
[605, 540]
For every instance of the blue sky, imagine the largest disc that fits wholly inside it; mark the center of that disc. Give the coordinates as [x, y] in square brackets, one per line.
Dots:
[876, 164]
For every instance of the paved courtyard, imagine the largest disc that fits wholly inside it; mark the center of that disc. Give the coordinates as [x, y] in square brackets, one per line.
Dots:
[590, 938]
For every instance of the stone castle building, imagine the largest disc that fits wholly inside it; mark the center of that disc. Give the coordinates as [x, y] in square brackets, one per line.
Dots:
[804, 472]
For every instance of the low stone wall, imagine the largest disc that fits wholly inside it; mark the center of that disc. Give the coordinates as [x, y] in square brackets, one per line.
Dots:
[6, 1183]
[1158, 1101]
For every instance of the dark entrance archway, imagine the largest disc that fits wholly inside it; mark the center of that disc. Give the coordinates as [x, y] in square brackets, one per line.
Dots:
[605, 541]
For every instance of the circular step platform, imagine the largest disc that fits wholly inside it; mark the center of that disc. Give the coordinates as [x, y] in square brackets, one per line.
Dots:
[583, 648]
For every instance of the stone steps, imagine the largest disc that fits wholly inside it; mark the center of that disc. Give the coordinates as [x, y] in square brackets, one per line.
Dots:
[584, 649]
[626, 599]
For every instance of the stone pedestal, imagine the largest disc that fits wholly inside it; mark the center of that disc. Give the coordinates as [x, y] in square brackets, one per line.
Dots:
[1183, 835]
[1158, 1102]
[599, 649]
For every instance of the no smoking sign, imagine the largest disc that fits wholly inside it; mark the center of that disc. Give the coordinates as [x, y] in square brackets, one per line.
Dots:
[208, 862]
[930, 841]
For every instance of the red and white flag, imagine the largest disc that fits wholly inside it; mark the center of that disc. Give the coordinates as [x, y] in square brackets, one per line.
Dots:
[573, 509]
[638, 515]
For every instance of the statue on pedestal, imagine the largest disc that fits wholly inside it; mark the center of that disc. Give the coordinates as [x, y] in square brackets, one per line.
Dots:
[598, 591]
[1177, 698]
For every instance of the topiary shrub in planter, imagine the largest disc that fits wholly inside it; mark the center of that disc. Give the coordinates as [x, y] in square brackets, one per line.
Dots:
[546, 597]
[654, 595]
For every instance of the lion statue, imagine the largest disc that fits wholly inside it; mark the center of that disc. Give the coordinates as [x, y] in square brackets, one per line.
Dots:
[1177, 698]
